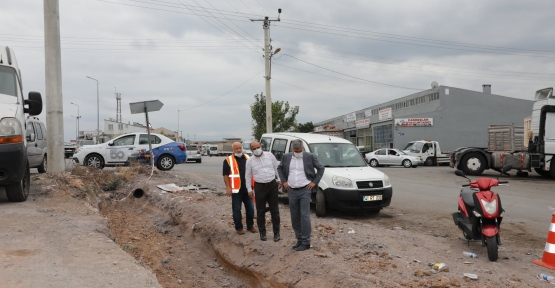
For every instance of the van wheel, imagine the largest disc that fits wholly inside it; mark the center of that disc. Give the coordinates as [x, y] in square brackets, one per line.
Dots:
[42, 167]
[374, 163]
[94, 161]
[19, 191]
[407, 163]
[320, 203]
[165, 162]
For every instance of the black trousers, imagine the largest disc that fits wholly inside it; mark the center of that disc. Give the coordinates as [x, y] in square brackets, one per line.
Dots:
[266, 193]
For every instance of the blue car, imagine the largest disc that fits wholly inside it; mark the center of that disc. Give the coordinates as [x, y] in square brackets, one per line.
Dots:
[165, 156]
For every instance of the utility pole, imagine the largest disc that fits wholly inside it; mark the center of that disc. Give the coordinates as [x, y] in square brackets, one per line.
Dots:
[267, 58]
[54, 99]
[78, 117]
[178, 125]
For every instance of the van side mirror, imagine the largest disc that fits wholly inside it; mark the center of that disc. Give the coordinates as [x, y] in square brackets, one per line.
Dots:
[111, 143]
[31, 137]
[35, 104]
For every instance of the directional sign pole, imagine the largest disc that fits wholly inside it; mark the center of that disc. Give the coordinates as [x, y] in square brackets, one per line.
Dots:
[149, 142]
[145, 107]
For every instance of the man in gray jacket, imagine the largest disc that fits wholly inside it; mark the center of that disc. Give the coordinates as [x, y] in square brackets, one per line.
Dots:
[296, 171]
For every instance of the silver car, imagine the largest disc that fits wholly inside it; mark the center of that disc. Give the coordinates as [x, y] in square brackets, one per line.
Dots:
[193, 153]
[392, 157]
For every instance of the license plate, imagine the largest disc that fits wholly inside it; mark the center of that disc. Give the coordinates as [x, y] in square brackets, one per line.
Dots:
[372, 198]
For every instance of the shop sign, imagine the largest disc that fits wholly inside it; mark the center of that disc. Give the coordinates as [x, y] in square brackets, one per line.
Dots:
[364, 123]
[350, 117]
[368, 113]
[385, 114]
[414, 122]
[319, 128]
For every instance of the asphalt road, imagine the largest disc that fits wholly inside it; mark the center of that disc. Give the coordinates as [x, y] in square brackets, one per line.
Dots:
[435, 189]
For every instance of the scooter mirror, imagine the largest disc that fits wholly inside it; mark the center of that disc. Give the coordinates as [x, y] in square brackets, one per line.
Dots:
[459, 173]
[507, 168]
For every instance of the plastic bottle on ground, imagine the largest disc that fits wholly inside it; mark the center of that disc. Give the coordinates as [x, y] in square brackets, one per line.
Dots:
[549, 279]
[470, 254]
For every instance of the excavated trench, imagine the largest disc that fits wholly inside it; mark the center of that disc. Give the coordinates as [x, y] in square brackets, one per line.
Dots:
[159, 239]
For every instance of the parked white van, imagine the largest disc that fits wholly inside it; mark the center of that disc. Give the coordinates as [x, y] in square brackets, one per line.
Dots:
[14, 165]
[348, 184]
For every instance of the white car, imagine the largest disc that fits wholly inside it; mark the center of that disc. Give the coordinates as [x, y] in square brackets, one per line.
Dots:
[392, 157]
[116, 152]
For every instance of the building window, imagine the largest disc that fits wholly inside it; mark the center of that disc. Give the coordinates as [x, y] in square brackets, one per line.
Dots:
[411, 102]
[383, 136]
[120, 126]
[110, 126]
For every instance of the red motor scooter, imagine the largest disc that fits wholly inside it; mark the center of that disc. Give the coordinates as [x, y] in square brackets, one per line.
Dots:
[480, 212]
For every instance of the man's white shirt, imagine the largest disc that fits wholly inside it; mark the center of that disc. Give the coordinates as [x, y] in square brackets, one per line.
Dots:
[297, 177]
[263, 168]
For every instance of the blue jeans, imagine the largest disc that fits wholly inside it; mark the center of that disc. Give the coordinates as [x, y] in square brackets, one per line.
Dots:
[236, 200]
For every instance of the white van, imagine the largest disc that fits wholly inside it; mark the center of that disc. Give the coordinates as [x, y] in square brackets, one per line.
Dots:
[247, 147]
[14, 165]
[348, 184]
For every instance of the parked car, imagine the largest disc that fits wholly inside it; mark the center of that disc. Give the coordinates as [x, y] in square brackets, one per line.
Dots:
[392, 157]
[193, 153]
[165, 156]
[116, 152]
[69, 149]
[36, 143]
[348, 184]
[85, 142]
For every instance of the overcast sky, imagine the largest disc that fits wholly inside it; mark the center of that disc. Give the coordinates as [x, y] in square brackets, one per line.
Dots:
[189, 53]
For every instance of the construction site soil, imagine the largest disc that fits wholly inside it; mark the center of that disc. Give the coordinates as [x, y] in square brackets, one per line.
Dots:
[187, 239]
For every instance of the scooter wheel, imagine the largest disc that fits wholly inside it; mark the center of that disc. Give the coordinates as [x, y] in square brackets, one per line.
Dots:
[491, 244]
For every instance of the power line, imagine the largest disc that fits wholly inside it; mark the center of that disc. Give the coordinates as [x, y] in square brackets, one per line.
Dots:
[400, 60]
[362, 79]
[364, 97]
[411, 38]
[225, 92]
[416, 44]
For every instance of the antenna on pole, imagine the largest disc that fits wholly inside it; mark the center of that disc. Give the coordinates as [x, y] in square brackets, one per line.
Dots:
[118, 100]
[267, 61]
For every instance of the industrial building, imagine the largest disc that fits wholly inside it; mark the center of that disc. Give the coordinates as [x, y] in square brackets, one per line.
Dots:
[452, 116]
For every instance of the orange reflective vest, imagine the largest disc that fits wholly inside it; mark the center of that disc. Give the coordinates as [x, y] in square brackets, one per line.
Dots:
[234, 176]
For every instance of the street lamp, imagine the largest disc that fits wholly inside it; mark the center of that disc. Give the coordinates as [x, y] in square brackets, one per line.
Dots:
[77, 138]
[97, 111]
[178, 124]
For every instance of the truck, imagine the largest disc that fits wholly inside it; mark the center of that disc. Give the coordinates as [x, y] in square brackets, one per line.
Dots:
[224, 149]
[429, 152]
[506, 144]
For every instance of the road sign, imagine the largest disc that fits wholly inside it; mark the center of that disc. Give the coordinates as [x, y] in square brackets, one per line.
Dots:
[151, 106]
[145, 107]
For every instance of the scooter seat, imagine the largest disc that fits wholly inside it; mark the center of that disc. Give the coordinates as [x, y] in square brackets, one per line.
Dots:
[467, 193]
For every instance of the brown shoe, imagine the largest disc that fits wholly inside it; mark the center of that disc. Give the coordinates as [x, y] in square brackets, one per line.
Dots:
[240, 231]
[253, 230]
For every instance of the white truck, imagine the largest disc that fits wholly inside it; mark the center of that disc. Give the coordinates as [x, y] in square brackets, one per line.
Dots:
[15, 138]
[428, 151]
[505, 144]
[225, 149]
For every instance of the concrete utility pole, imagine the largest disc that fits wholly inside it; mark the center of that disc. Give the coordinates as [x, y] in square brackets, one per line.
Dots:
[177, 139]
[54, 99]
[267, 58]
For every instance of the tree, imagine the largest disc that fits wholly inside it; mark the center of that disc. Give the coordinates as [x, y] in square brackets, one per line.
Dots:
[306, 127]
[284, 117]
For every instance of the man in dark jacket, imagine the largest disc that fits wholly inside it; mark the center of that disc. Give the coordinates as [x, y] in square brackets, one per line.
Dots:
[296, 171]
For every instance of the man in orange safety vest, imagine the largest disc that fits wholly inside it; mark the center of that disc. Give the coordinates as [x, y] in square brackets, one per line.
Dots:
[234, 179]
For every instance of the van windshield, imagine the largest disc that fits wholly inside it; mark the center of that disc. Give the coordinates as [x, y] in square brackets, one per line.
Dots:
[337, 154]
[7, 81]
